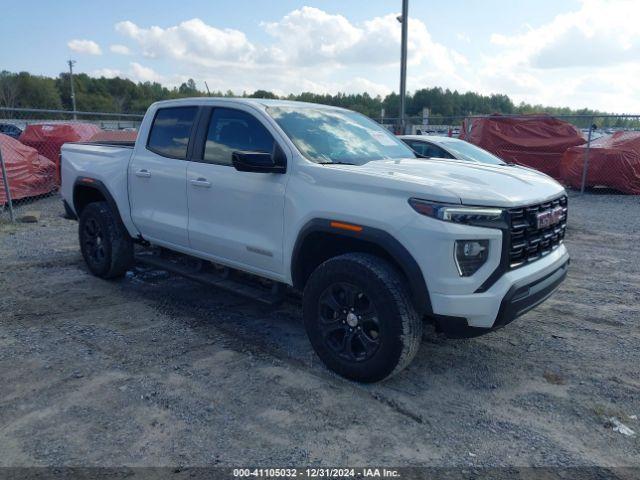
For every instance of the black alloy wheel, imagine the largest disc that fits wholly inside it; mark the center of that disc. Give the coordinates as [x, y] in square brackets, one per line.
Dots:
[359, 317]
[349, 322]
[105, 244]
[93, 239]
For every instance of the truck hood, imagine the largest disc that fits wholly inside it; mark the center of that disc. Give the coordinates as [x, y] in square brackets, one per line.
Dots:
[465, 182]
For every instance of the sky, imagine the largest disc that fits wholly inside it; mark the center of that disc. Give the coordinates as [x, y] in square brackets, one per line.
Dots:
[576, 53]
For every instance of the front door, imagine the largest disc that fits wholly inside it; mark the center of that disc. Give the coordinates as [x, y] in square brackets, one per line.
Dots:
[158, 176]
[236, 217]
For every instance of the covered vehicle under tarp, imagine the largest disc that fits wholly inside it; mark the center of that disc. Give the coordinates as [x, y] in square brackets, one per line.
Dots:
[536, 141]
[29, 174]
[115, 136]
[47, 138]
[614, 162]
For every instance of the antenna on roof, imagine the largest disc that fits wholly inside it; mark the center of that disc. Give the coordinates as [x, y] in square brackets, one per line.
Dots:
[207, 87]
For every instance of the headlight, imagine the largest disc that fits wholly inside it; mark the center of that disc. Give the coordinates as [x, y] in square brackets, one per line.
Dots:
[479, 216]
[470, 255]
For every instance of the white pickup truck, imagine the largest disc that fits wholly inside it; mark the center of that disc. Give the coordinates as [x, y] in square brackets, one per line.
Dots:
[267, 196]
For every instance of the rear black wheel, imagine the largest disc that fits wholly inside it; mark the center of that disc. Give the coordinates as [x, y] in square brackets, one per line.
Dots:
[94, 241]
[359, 317]
[106, 246]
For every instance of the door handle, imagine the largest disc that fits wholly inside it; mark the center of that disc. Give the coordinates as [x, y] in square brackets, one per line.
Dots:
[201, 182]
[144, 173]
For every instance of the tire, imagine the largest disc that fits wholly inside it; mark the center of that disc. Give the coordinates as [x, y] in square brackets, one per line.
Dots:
[380, 332]
[106, 246]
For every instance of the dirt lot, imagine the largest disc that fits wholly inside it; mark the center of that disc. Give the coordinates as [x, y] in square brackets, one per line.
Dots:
[157, 370]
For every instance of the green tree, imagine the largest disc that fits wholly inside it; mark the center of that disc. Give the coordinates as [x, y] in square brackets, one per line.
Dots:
[189, 89]
[124, 96]
[8, 89]
[262, 94]
[37, 92]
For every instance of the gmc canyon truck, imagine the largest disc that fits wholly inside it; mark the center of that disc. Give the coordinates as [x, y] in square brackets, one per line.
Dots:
[269, 197]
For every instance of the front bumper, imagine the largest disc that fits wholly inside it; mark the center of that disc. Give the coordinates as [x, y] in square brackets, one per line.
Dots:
[515, 293]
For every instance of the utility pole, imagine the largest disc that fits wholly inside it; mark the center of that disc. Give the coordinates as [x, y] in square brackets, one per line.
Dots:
[404, 19]
[73, 93]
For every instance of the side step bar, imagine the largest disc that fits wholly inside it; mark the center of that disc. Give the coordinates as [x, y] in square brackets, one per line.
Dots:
[203, 275]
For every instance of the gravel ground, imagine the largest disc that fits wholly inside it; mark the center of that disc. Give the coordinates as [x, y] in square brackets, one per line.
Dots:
[155, 370]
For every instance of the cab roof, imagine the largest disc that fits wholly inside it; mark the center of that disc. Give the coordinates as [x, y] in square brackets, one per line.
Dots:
[257, 102]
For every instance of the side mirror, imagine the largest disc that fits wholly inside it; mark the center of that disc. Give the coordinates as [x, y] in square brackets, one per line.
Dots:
[259, 162]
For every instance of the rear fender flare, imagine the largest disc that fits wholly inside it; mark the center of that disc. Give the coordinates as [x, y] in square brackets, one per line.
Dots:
[92, 183]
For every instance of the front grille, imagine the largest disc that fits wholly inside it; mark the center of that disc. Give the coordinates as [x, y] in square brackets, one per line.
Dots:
[528, 243]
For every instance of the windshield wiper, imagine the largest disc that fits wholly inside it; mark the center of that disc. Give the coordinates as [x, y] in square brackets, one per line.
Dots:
[335, 163]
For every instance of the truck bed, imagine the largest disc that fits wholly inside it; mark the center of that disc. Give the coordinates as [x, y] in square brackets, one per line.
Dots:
[104, 162]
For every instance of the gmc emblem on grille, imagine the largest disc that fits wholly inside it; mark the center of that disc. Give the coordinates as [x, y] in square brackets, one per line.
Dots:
[549, 217]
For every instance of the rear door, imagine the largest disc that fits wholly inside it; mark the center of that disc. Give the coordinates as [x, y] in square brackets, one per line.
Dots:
[235, 217]
[157, 177]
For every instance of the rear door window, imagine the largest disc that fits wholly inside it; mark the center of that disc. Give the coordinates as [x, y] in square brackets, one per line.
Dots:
[171, 130]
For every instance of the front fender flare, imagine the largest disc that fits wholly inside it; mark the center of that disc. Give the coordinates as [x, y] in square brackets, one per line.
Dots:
[378, 237]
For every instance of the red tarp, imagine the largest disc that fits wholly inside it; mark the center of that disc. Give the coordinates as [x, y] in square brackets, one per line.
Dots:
[29, 174]
[536, 141]
[47, 138]
[115, 136]
[614, 162]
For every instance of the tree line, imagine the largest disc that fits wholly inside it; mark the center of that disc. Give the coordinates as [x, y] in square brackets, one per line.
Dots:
[118, 95]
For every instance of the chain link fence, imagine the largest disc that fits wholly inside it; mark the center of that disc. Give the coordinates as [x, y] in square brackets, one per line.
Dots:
[587, 153]
[30, 142]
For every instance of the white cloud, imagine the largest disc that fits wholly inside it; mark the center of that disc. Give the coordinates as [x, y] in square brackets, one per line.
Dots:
[360, 85]
[285, 81]
[582, 58]
[144, 74]
[140, 73]
[120, 49]
[306, 50]
[463, 37]
[587, 57]
[310, 36]
[304, 37]
[192, 41]
[88, 47]
[600, 33]
[108, 73]
[312, 30]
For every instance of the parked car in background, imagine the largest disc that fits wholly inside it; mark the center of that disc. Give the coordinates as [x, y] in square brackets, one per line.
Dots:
[259, 196]
[449, 147]
[10, 130]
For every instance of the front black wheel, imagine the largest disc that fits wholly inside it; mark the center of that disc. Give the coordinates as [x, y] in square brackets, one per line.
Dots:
[359, 317]
[106, 246]
[348, 321]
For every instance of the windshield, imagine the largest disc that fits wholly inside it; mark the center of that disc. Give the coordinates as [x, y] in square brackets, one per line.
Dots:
[325, 135]
[467, 151]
